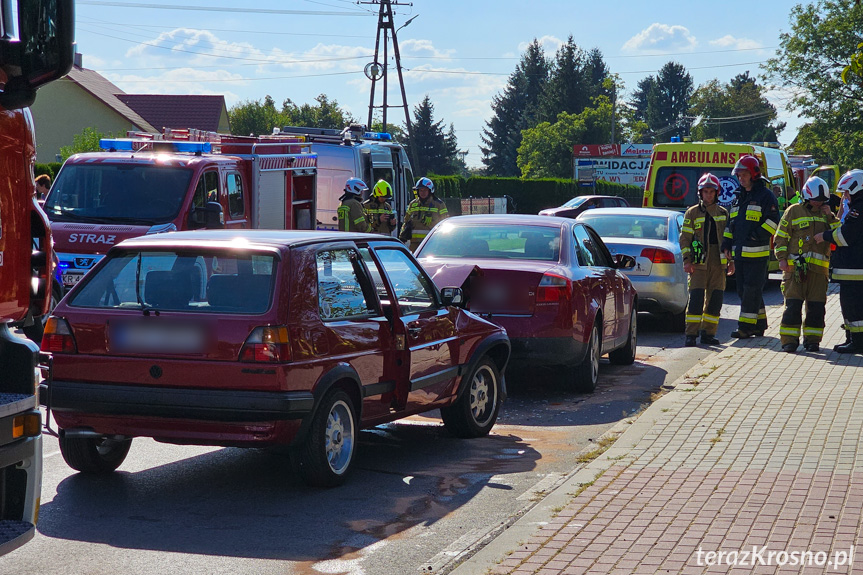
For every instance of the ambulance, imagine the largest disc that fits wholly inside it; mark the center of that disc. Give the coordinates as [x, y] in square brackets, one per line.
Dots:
[675, 167]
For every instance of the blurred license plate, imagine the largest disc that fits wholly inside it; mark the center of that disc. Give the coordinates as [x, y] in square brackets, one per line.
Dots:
[148, 336]
[71, 279]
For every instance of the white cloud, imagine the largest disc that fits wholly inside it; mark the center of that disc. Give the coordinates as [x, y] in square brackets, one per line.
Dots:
[661, 38]
[550, 45]
[424, 48]
[179, 81]
[730, 42]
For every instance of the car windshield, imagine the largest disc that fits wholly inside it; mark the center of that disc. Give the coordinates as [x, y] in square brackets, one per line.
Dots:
[494, 241]
[203, 282]
[574, 202]
[143, 194]
[627, 225]
[677, 187]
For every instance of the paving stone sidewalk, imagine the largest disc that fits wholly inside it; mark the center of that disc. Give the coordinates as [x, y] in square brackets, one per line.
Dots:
[758, 450]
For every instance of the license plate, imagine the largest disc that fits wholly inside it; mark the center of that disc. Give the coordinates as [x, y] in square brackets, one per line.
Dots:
[71, 279]
[148, 336]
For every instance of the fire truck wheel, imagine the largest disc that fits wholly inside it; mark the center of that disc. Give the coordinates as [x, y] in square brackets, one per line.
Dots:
[94, 455]
[35, 331]
[473, 414]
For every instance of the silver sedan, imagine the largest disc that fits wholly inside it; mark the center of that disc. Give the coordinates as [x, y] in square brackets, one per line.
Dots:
[651, 237]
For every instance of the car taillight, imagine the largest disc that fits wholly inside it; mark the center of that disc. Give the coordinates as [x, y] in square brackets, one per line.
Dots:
[553, 288]
[658, 255]
[268, 344]
[57, 337]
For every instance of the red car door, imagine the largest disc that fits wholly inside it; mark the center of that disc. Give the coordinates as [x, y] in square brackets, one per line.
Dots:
[606, 284]
[430, 354]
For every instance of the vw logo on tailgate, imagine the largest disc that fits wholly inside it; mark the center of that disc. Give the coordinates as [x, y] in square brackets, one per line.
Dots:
[84, 262]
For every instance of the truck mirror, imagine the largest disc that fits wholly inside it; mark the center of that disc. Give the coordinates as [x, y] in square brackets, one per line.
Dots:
[43, 52]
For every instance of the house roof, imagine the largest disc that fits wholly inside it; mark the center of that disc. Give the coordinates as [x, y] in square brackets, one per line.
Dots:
[102, 89]
[177, 111]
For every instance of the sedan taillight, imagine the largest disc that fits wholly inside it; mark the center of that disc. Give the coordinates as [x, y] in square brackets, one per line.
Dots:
[658, 255]
[268, 344]
[553, 288]
[57, 337]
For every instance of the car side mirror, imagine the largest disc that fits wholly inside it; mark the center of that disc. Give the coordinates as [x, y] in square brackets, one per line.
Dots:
[452, 296]
[209, 216]
[624, 262]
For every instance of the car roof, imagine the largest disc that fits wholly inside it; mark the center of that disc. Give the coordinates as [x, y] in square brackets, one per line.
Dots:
[547, 221]
[631, 211]
[247, 238]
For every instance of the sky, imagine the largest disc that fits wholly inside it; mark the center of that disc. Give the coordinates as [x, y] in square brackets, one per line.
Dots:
[458, 53]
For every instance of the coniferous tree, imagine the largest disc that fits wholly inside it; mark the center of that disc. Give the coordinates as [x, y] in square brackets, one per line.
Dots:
[639, 99]
[597, 73]
[668, 102]
[514, 110]
[436, 151]
[568, 88]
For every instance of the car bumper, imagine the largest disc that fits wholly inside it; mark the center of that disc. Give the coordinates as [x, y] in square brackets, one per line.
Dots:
[666, 295]
[186, 404]
[542, 351]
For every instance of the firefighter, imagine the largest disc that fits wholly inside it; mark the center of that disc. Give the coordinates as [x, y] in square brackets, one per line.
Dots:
[423, 213]
[352, 218]
[382, 218]
[700, 239]
[751, 223]
[848, 260]
[804, 264]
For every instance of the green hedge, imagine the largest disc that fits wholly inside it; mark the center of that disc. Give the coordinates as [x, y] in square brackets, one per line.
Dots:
[530, 195]
[50, 169]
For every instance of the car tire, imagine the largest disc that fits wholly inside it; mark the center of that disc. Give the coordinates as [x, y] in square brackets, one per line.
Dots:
[93, 455]
[34, 332]
[626, 354]
[324, 460]
[586, 374]
[474, 413]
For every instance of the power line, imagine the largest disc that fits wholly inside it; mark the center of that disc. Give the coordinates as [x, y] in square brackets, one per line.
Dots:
[467, 73]
[264, 32]
[229, 80]
[238, 10]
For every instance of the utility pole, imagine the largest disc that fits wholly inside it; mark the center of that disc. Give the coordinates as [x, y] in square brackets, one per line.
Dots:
[386, 27]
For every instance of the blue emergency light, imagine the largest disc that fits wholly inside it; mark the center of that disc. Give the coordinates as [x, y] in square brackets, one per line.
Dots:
[380, 136]
[131, 145]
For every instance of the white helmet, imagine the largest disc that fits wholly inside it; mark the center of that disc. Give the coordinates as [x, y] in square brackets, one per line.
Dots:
[815, 189]
[355, 186]
[852, 181]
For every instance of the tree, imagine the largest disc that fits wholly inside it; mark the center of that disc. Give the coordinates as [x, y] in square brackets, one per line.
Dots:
[809, 63]
[597, 73]
[668, 102]
[86, 141]
[513, 111]
[639, 99]
[435, 150]
[260, 117]
[546, 149]
[568, 88]
[737, 111]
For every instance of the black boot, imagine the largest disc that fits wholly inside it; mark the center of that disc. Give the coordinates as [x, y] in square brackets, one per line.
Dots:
[690, 341]
[853, 346]
[811, 346]
[707, 339]
[790, 347]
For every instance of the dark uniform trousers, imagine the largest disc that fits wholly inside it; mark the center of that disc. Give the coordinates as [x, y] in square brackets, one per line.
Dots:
[751, 275]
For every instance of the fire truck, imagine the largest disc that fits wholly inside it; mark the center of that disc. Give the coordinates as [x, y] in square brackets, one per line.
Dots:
[178, 180]
[42, 52]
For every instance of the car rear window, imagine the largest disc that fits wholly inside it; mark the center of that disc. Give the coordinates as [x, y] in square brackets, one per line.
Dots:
[200, 282]
[498, 241]
[628, 226]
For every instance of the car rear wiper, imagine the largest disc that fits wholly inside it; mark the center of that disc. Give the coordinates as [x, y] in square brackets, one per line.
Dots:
[145, 309]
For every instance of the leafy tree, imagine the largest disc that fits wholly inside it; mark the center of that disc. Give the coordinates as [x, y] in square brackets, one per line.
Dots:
[513, 111]
[436, 151]
[568, 88]
[668, 102]
[546, 149]
[810, 62]
[260, 117]
[86, 141]
[748, 115]
[810, 140]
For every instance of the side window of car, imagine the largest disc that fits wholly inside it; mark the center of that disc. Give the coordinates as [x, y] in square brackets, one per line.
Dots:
[582, 251]
[235, 195]
[414, 291]
[601, 255]
[341, 294]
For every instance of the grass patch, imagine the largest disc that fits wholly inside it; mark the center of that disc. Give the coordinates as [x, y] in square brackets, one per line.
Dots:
[581, 489]
[718, 438]
[601, 447]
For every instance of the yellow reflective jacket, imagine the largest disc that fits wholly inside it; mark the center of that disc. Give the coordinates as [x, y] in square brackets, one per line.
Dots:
[352, 218]
[795, 236]
[695, 230]
[374, 211]
[420, 218]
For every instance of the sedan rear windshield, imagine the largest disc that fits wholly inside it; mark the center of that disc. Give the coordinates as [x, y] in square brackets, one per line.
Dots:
[627, 226]
[144, 194]
[211, 282]
[500, 241]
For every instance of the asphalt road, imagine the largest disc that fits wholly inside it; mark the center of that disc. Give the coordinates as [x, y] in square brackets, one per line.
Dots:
[417, 502]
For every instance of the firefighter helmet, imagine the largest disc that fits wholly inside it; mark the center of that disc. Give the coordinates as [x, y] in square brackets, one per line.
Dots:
[383, 189]
[748, 163]
[708, 180]
[815, 189]
[851, 181]
[355, 186]
[424, 183]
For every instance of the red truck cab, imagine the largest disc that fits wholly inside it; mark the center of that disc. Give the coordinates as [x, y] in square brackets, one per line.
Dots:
[142, 186]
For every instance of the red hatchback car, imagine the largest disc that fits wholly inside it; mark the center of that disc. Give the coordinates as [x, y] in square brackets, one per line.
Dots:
[261, 338]
[551, 282]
